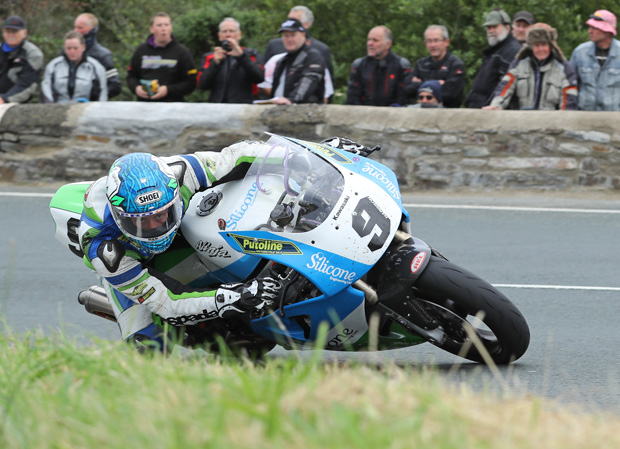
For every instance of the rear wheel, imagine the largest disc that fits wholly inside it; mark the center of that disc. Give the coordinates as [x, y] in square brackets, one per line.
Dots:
[452, 296]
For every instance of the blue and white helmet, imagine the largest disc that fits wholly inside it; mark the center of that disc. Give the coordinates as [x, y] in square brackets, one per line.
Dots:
[144, 198]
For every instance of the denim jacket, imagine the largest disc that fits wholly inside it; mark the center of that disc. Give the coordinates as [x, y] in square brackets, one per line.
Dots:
[599, 87]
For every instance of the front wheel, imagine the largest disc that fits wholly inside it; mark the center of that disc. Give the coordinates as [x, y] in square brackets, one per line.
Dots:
[452, 295]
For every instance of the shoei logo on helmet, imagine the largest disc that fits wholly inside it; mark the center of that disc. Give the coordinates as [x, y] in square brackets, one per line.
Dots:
[148, 197]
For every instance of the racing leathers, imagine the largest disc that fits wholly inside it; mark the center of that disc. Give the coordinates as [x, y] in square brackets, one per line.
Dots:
[136, 290]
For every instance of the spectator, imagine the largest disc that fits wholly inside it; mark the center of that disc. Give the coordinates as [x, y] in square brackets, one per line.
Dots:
[441, 65]
[298, 76]
[429, 95]
[378, 78]
[88, 25]
[20, 63]
[497, 57]
[520, 23]
[161, 69]
[232, 73]
[265, 88]
[306, 17]
[597, 64]
[540, 77]
[74, 77]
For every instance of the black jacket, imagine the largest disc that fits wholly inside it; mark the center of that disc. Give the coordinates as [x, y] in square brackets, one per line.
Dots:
[172, 66]
[104, 56]
[305, 70]
[449, 69]
[494, 67]
[233, 80]
[275, 47]
[20, 71]
[378, 83]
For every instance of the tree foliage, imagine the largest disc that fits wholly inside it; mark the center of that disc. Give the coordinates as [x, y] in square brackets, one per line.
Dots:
[341, 24]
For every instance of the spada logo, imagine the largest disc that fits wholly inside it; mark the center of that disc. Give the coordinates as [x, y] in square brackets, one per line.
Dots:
[148, 197]
[265, 246]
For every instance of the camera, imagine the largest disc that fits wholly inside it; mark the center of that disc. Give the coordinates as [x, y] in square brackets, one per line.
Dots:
[226, 45]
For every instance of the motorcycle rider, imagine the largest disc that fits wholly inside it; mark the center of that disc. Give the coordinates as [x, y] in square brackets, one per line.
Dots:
[133, 214]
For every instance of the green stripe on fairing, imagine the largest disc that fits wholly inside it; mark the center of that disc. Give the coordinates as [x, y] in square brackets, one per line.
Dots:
[70, 197]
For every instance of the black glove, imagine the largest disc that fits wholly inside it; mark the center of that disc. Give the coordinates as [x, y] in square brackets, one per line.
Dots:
[346, 144]
[251, 299]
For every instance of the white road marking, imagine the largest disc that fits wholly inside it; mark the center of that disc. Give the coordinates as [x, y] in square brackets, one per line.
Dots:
[559, 287]
[25, 194]
[513, 209]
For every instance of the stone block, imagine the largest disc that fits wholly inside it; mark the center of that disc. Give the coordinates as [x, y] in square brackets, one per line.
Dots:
[476, 151]
[593, 136]
[415, 137]
[542, 144]
[590, 166]
[449, 138]
[551, 163]
[10, 137]
[473, 138]
[573, 148]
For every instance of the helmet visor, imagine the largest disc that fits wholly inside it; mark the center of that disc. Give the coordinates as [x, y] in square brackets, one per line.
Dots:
[150, 225]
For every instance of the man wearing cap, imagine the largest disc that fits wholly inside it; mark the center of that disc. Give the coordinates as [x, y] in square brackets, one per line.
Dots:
[378, 79]
[521, 21]
[597, 63]
[441, 65]
[502, 49]
[429, 95]
[87, 25]
[306, 17]
[21, 63]
[298, 76]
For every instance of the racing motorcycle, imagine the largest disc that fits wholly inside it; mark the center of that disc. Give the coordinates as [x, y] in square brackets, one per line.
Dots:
[331, 226]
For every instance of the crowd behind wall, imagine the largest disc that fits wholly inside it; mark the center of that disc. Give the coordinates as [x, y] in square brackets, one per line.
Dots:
[470, 73]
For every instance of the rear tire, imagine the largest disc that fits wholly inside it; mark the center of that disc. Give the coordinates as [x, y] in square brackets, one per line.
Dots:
[451, 295]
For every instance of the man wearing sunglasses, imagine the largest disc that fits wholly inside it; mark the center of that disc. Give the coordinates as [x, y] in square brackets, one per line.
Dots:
[597, 64]
[429, 95]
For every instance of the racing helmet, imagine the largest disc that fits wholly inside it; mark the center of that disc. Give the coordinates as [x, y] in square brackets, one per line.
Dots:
[145, 201]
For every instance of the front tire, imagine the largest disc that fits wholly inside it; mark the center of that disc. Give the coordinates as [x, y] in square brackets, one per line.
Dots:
[452, 295]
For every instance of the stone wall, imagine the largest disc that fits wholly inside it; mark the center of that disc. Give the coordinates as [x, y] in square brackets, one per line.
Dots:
[428, 149]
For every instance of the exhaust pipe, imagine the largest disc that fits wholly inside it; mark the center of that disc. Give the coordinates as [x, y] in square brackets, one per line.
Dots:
[95, 301]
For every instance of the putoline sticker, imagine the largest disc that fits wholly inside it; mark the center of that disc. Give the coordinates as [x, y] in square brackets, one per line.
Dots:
[264, 246]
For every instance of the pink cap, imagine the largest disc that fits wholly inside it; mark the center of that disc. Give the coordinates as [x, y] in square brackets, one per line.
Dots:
[604, 21]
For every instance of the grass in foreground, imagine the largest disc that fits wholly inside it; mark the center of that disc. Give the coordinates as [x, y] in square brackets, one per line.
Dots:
[55, 394]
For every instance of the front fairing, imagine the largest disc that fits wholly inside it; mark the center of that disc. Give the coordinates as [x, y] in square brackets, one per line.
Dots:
[327, 214]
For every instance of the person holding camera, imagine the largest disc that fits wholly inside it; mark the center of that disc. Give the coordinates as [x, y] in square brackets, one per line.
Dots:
[161, 69]
[230, 72]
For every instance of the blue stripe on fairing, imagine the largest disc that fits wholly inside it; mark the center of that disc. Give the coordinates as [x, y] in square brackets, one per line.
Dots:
[198, 169]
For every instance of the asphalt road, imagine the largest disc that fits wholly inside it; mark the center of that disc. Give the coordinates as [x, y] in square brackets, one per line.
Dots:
[555, 256]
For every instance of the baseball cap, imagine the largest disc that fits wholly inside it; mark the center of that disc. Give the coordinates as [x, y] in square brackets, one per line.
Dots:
[15, 22]
[497, 17]
[603, 20]
[291, 24]
[525, 16]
